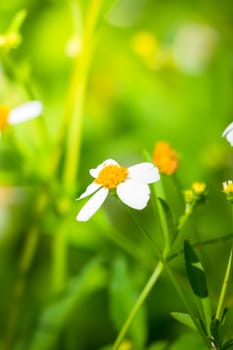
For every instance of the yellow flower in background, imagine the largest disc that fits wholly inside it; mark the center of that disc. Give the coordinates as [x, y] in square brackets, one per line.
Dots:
[19, 114]
[228, 190]
[228, 186]
[195, 195]
[165, 158]
[148, 48]
[131, 185]
[199, 188]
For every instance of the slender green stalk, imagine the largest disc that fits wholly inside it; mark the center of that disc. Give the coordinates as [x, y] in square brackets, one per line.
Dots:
[73, 119]
[77, 95]
[146, 290]
[144, 232]
[183, 299]
[158, 191]
[156, 273]
[224, 288]
[24, 266]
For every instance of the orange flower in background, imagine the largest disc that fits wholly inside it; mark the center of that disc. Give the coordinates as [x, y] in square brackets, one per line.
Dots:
[165, 158]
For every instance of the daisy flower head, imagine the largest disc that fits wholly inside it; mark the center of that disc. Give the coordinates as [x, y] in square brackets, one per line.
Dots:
[130, 184]
[228, 133]
[19, 114]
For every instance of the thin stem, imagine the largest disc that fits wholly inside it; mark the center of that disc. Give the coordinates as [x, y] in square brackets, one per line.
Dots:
[183, 219]
[77, 95]
[158, 191]
[224, 288]
[24, 266]
[144, 232]
[143, 295]
[183, 299]
[74, 118]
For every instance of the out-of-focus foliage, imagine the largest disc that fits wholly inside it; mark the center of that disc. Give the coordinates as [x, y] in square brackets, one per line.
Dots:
[159, 70]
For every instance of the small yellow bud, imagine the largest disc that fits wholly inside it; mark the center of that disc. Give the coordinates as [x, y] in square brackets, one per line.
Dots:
[188, 196]
[228, 190]
[199, 188]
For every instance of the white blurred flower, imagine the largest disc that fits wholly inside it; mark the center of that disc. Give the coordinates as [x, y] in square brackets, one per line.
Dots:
[228, 133]
[131, 185]
[19, 114]
[194, 46]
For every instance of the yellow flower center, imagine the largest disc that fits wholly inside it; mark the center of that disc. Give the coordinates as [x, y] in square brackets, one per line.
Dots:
[111, 176]
[4, 113]
[228, 187]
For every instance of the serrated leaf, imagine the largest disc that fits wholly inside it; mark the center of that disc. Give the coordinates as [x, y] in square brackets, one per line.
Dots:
[55, 315]
[184, 319]
[197, 279]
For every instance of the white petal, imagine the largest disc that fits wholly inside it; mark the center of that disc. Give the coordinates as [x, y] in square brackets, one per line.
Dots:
[228, 133]
[228, 129]
[229, 137]
[95, 172]
[25, 112]
[145, 172]
[89, 190]
[133, 193]
[92, 205]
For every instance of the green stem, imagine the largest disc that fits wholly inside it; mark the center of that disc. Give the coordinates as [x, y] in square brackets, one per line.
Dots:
[144, 232]
[24, 265]
[73, 119]
[77, 96]
[158, 269]
[146, 290]
[224, 288]
[158, 191]
[183, 219]
[183, 299]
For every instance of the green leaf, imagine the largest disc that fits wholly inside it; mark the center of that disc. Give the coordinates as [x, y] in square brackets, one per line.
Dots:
[123, 295]
[197, 279]
[226, 281]
[55, 315]
[17, 21]
[185, 319]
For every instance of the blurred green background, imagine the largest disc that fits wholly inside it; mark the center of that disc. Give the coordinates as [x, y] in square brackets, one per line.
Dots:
[160, 70]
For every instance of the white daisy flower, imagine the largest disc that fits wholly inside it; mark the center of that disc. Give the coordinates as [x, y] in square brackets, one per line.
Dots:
[19, 114]
[131, 185]
[228, 133]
